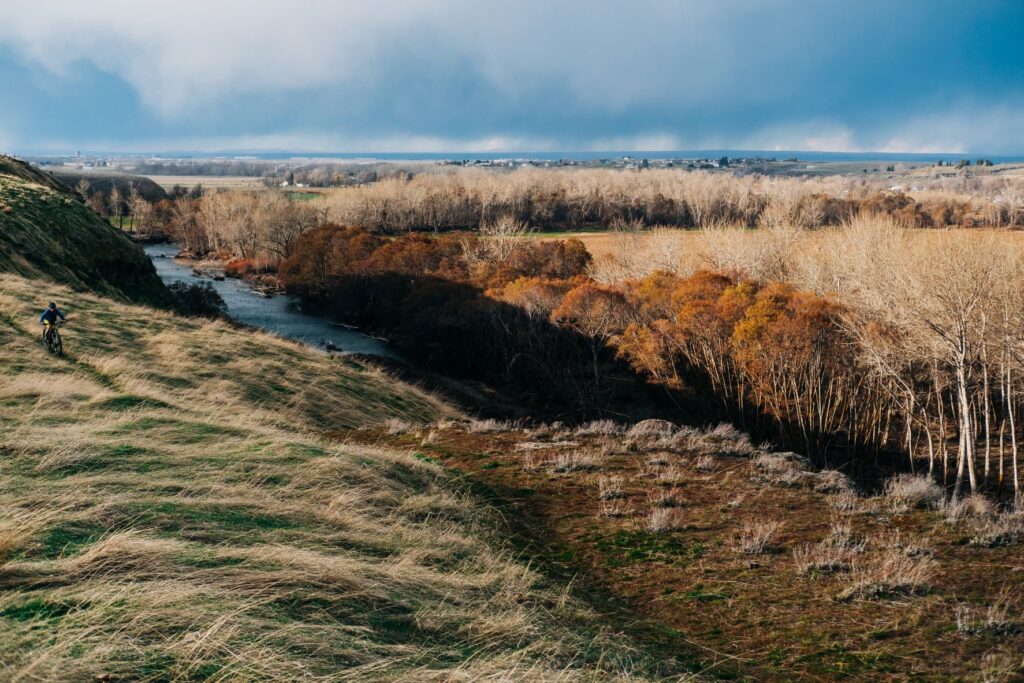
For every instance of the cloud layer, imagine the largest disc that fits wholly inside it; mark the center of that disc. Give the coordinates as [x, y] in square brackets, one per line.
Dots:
[434, 75]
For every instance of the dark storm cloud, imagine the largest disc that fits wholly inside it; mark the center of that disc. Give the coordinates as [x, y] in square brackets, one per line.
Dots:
[436, 74]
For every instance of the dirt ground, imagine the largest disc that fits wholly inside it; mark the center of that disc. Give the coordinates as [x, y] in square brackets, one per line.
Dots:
[595, 505]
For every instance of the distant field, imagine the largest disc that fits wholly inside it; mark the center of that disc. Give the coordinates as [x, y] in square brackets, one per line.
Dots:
[602, 243]
[210, 181]
[687, 250]
[606, 242]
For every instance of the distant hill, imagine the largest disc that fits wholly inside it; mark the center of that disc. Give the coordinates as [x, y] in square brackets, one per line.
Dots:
[105, 182]
[46, 232]
[14, 168]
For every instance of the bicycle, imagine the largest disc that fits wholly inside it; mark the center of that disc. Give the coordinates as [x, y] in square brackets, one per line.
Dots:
[51, 338]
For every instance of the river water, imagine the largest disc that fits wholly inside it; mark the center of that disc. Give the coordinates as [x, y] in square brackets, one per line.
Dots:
[280, 314]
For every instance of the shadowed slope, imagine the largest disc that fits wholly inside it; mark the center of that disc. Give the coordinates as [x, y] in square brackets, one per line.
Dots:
[46, 232]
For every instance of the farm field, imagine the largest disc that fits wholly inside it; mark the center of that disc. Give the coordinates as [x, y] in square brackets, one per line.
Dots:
[211, 182]
[686, 250]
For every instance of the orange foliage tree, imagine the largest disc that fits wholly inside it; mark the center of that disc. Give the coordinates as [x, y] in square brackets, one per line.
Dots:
[595, 312]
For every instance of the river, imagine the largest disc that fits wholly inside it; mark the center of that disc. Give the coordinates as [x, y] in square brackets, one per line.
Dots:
[280, 314]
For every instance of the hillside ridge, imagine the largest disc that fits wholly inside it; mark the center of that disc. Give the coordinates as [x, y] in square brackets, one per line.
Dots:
[46, 233]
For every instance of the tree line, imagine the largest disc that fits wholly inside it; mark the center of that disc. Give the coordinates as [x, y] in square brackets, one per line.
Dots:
[579, 198]
[261, 225]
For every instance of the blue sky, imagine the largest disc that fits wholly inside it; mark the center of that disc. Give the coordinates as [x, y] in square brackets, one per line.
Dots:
[526, 75]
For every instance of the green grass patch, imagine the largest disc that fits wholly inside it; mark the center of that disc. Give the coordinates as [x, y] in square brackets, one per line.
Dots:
[305, 450]
[174, 516]
[701, 594]
[839, 660]
[631, 547]
[37, 609]
[116, 458]
[208, 559]
[426, 458]
[187, 433]
[129, 402]
[67, 539]
[171, 381]
[142, 424]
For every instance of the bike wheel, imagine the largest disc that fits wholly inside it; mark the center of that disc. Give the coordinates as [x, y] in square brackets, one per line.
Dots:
[57, 344]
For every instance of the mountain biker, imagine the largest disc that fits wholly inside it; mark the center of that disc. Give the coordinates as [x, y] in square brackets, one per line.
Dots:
[49, 318]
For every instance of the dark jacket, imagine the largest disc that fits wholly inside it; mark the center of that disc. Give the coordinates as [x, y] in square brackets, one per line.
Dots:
[50, 315]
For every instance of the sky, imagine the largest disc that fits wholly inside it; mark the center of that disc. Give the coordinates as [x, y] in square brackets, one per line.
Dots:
[512, 75]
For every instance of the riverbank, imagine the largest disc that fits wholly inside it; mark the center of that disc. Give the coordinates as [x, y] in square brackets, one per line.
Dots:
[280, 314]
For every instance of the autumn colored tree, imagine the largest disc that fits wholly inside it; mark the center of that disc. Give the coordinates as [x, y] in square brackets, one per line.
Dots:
[598, 313]
[326, 254]
[536, 296]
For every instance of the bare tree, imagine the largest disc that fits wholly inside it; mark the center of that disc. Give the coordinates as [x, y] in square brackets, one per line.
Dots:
[115, 202]
[82, 188]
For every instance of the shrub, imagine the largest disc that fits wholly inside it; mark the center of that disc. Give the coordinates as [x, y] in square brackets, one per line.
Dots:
[832, 481]
[534, 462]
[489, 426]
[615, 507]
[198, 299]
[664, 519]
[833, 554]
[1000, 667]
[647, 428]
[599, 428]
[241, 267]
[785, 469]
[892, 572]
[975, 505]
[755, 538]
[395, 426]
[723, 440]
[671, 475]
[573, 462]
[1006, 529]
[994, 620]
[610, 488]
[820, 557]
[845, 501]
[706, 463]
[666, 498]
[906, 491]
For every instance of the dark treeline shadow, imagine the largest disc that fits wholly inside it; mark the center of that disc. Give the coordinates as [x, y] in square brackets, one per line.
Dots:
[455, 329]
[546, 371]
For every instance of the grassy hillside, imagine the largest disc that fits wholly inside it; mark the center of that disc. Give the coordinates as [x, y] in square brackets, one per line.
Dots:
[105, 182]
[168, 512]
[45, 232]
[10, 166]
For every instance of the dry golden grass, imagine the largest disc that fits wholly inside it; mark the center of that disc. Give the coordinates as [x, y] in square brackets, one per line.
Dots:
[621, 255]
[168, 512]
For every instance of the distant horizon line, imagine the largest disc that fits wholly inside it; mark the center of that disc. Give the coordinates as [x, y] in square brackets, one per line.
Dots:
[555, 155]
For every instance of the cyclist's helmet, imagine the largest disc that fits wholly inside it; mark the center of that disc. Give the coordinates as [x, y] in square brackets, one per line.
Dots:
[52, 306]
